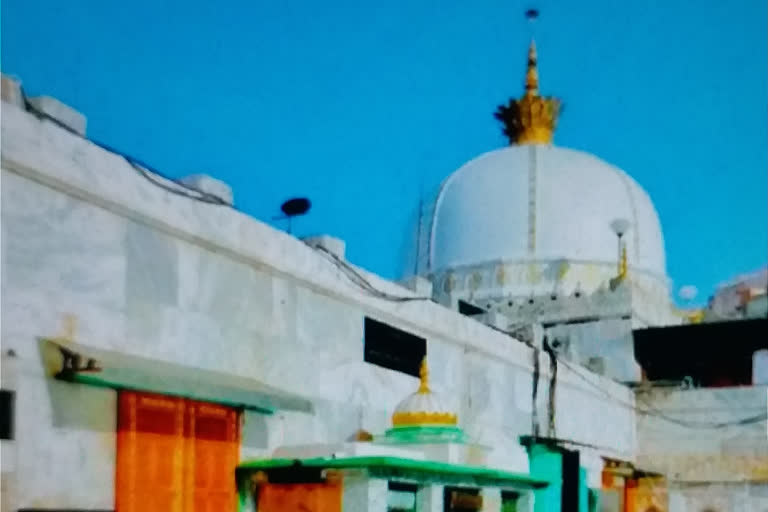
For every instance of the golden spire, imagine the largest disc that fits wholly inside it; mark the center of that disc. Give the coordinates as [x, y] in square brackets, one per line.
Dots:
[532, 118]
[532, 75]
[424, 377]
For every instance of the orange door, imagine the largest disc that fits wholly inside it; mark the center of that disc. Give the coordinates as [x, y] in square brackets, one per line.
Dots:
[299, 498]
[214, 435]
[150, 453]
[175, 455]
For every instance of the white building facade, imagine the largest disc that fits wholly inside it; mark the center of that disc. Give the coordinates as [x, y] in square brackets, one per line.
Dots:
[201, 289]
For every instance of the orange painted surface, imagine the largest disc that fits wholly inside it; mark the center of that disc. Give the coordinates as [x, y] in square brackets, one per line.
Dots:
[300, 498]
[175, 455]
[646, 495]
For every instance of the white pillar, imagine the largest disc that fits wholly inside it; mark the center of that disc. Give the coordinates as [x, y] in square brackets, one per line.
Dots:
[364, 494]
[525, 501]
[491, 499]
[429, 498]
[760, 368]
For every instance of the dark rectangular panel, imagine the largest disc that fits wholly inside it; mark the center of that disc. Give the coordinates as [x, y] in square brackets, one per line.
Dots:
[509, 501]
[462, 499]
[467, 309]
[393, 348]
[695, 351]
[402, 486]
[7, 410]
[570, 494]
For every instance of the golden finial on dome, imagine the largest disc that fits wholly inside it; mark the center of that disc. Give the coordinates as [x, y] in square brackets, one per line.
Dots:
[424, 377]
[422, 407]
[532, 118]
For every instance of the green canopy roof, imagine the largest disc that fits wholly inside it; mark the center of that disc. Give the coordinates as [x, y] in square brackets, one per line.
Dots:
[86, 365]
[387, 467]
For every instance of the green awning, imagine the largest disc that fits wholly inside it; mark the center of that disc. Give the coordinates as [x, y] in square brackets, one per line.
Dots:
[86, 365]
[388, 467]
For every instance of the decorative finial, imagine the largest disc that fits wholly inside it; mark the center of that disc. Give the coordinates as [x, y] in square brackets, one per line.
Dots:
[532, 74]
[623, 263]
[532, 118]
[424, 377]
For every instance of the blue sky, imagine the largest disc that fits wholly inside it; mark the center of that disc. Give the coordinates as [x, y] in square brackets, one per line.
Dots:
[365, 106]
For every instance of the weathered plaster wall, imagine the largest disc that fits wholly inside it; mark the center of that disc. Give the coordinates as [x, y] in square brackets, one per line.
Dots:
[606, 345]
[707, 465]
[161, 276]
[718, 497]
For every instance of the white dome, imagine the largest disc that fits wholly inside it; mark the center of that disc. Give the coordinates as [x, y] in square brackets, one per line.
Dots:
[422, 403]
[536, 203]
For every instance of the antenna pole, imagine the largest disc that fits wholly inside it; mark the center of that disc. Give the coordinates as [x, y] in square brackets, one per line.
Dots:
[418, 237]
[618, 259]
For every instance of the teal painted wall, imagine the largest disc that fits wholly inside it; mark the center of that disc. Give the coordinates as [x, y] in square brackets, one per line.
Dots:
[583, 491]
[546, 465]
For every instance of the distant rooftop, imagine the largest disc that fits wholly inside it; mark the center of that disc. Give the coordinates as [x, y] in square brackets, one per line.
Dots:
[710, 354]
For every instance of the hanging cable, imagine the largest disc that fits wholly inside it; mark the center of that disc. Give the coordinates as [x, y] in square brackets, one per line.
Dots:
[551, 432]
[140, 167]
[358, 279]
[651, 411]
[173, 186]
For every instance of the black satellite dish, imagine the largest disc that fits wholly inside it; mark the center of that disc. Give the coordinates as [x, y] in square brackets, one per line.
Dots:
[294, 208]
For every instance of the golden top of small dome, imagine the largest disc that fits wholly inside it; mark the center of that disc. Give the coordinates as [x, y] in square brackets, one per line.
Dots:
[423, 407]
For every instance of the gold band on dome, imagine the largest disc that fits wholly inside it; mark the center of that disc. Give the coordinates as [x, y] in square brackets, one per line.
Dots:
[410, 416]
[401, 419]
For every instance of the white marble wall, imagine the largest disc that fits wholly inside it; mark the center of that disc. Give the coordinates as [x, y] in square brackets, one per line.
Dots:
[724, 468]
[160, 276]
[699, 450]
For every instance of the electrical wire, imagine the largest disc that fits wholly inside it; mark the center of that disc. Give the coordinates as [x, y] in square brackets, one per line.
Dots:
[649, 410]
[174, 186]
[140, 167]
[652, 411]
[358, 279]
